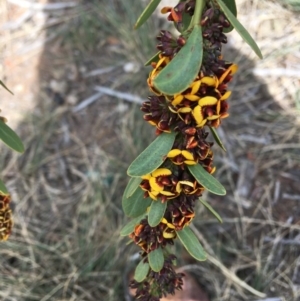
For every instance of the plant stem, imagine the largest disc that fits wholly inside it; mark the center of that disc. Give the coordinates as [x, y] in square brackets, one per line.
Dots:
[198, 12]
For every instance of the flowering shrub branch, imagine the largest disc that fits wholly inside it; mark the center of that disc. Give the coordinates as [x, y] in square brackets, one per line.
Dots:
[189, 82]
[11, 139]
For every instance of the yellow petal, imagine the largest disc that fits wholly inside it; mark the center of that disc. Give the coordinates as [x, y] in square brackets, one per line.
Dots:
[191, 97]
[177, 100]
[218, 107]
[152, 122]
[164, 221]
[173, 153]
[161, 172]
[160, 62]
[165, 9]
[197, 113]
[213, 117]
[188, 162]
[188, 183]
[195, 86]
[171, 226]
[167, 193]
[207, 101]
[226, 95]
[172, 110]
[202, 123]
[178, 187]
[210, 81]
[168, 234]
[234, 68]
[152, 195]
[184, 110]
[213, 170]
[146, 177]
[188, 155]
[155, 186]
[224, 115]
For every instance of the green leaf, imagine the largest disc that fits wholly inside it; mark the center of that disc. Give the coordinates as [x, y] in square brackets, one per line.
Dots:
[2, 84]
[184, 67]
[136, 204]
[153, 156]
[10, 138]
[217, 138]
[156, 259]
[191, 243]
[186, 21]
[3, 188]
[129, 227]
[211, 209]
[148, 11]
[141, 271]
[232, 7]
[206, 179]
[156, 213]
[240, 28]
[155, 58]
[131, 187]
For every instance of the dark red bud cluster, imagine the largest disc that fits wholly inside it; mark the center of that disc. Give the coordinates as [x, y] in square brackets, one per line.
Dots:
[164, 282]
[168, 45]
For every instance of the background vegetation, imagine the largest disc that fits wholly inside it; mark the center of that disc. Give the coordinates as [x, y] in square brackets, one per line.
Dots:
[80, 140]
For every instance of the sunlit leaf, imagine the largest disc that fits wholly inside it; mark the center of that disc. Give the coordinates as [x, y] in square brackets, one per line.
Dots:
[129, 227]
[10, 138]
[240, 28]
[141, 271]
[191, 243]
[136, 204]
[156, 259]
[3, 85]
[211, 209]
[155, 58]
[217, 138]
[206, 179]
[153, 156]
[156, 213]
[3, 188]
[148, 11]
[131, 187]
[184, 67]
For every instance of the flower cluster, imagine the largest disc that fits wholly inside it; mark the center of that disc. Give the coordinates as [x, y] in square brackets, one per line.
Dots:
[202, 105]
[159, 284]
[5, 217]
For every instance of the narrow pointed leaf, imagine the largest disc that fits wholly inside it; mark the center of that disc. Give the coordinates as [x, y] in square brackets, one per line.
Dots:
[217, 138]
[155, 58]
[10, 138]
[232, 7]
[3, 85]
[211, 209]
[240, 28]
[184, 67]
[136, 204]
[148, 11]
[156, 260]
[153, 156]
[129, 227]
[131, 187]
[206, 179]
[141, 271]
[3, 188]
[191, 243]
[156, 213]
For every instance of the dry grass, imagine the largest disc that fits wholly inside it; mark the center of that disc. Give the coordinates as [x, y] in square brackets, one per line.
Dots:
[67, 186]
